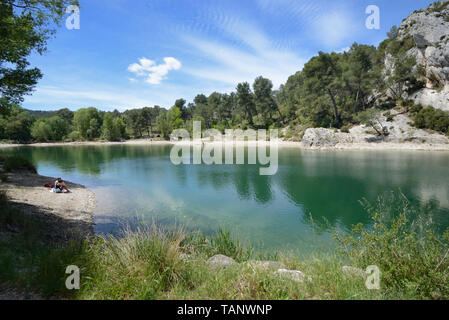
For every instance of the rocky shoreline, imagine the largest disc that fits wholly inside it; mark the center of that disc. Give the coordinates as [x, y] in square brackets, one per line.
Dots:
[319, 139]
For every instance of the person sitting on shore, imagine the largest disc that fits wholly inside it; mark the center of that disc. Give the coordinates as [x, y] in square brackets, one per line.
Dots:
[59, 184]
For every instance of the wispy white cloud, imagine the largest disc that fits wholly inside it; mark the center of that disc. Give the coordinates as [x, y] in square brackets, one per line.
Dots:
[154, 73]
[241, 53]
[82, 97]
[230, 65]
[333, 28]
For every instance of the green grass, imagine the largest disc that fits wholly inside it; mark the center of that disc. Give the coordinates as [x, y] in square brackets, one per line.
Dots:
[148, 263]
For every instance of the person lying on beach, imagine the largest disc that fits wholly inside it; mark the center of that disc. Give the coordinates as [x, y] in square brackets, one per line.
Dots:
[59, 184]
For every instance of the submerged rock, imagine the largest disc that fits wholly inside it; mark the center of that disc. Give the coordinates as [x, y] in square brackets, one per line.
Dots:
[220, 261]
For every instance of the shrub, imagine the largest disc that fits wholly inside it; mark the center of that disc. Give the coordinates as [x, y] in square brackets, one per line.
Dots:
[430, 118]
[404, 244]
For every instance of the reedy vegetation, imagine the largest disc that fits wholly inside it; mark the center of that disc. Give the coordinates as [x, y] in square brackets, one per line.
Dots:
[148, 262]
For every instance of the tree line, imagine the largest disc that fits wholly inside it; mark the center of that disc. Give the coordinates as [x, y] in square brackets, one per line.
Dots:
[333, 90]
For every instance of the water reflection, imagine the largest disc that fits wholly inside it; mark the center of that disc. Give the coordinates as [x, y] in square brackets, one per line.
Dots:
[140, 181]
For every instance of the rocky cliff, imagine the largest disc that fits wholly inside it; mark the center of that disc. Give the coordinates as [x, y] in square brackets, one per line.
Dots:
[429, 29]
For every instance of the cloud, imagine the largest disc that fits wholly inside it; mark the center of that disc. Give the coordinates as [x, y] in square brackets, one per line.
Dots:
[154, 73]
[256, 55]
[83, 97]
[333, 28]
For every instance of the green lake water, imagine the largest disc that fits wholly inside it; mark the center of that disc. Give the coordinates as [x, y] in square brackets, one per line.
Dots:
[139, 183]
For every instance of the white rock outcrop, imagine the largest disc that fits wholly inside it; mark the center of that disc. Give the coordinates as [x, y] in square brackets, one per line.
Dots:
[400, 132]
[430, 31]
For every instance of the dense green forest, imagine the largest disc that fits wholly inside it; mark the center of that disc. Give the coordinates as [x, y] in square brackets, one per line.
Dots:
[333, 90]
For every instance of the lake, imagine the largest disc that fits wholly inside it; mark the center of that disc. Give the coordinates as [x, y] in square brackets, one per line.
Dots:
[139, 183]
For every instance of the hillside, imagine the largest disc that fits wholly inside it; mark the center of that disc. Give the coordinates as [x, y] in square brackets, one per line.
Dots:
[413, 99]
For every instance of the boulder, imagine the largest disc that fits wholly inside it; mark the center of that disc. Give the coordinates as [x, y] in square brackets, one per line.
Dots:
[220, 261]
[324, 138]
[353, 271]
[294, 275]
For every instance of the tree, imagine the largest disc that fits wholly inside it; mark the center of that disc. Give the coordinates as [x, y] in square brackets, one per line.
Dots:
[226, 107]
[202, 111]
[16, 126]
[181, 105]
[264, 101]
[88, 123]
[322, 76]
[25, 27]
[113, 129]
[361, 74]
[135, 122]
[245, 102]
[50, 129]
[393, 33]
[289, 97]
[66, 114]
[41, 131]
[147, 119]
[404, 75]
[372, 118]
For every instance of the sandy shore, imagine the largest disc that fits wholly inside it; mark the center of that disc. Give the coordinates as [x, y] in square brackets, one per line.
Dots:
[86, 143]
[290, 144]
[69, 214]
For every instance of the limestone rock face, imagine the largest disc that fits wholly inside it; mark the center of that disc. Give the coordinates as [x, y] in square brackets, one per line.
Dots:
[430, 97]
[399, 128]
[429, 29]
[324, 138]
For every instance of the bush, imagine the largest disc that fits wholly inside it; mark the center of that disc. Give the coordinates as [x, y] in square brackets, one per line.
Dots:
[404, 244]
[430, 118]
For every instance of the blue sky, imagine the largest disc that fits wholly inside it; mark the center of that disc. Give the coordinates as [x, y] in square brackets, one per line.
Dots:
[135, 53]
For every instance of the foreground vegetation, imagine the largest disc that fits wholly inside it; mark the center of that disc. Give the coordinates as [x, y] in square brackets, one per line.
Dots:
[157, 263]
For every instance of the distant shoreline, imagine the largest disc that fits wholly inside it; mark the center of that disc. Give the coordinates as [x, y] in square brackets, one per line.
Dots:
[381, 146]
